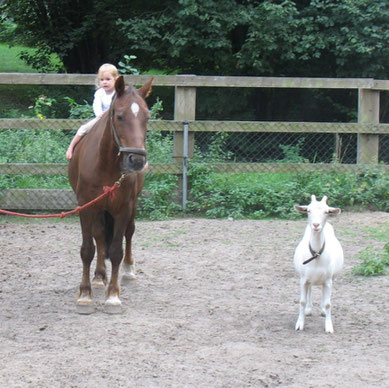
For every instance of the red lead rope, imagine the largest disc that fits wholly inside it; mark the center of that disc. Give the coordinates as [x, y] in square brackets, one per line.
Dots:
[107, 191]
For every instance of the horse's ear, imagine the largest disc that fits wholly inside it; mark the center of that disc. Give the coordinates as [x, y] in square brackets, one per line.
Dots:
[145, 90]
[119, 86]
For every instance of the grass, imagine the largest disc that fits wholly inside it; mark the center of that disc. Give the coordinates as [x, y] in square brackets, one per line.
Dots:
[372, 261]
[10, 61]
[252, 180]
[15, 99]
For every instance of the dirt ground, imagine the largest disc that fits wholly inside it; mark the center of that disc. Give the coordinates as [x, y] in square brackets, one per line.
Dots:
[214, 305]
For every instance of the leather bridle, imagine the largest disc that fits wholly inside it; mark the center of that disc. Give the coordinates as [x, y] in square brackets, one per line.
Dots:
[128, 150]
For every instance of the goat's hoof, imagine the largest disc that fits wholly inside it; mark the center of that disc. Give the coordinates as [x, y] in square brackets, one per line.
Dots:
[299, 325]
[329, 328]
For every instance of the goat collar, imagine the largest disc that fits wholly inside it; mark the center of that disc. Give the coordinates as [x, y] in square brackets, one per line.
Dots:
[314, 253]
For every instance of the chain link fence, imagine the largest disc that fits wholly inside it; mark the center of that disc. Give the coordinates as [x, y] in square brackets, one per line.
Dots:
[293, 144]
[228, 147]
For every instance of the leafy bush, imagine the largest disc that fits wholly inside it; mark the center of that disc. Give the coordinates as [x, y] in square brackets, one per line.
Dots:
[273, 195]
[79, 111]
[373, 263]
[157, 199]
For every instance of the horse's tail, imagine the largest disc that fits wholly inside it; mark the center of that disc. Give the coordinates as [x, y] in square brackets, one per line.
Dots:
[108, 231]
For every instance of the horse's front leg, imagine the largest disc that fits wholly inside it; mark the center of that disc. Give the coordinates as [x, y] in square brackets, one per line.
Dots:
[100, 278]
[84, 302]
[112, 302]
[128, 265]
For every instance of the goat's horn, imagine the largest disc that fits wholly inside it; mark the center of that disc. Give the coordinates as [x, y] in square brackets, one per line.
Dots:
[324, 199]
[313, 197]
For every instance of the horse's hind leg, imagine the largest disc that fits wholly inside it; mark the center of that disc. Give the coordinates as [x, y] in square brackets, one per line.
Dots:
[113, 303]
[84, 301]
[128, 266]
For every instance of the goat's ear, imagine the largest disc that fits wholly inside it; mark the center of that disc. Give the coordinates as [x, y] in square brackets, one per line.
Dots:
[334, 210]
[302, 209]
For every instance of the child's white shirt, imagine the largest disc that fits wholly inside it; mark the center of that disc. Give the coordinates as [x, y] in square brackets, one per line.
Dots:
[101, 101]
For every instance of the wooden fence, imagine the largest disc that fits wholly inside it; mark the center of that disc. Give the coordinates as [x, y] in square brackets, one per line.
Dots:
[368, 128]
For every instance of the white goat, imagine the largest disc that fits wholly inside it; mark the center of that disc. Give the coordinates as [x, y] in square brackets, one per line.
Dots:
[318, 257]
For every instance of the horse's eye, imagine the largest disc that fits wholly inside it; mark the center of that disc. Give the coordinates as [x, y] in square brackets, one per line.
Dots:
[120, 117]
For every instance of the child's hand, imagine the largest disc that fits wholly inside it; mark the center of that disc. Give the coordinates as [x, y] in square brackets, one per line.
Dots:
[69, 153]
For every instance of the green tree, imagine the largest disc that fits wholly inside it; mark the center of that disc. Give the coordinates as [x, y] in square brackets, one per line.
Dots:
[292, 38]
[330, 38]
[82, 33]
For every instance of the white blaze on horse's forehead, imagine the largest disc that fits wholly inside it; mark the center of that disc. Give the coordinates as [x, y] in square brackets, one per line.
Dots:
[135, 108]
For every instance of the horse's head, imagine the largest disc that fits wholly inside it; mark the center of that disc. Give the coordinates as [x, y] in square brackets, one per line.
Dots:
[128, 116]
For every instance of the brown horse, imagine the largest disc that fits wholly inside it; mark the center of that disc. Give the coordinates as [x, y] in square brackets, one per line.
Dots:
[113, 150]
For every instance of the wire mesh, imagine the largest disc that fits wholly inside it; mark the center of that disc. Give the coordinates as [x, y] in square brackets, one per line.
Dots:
[32, 152]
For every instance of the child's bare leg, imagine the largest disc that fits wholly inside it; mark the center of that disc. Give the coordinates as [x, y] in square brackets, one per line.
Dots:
[74, 142]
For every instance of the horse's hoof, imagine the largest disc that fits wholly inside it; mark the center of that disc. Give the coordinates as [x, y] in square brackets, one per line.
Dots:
[128, 273]
[113, 305]
[128, 277]
[85, 306]
[98, 283]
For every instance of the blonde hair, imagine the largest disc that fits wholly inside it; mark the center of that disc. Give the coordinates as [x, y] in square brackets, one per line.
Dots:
[106, 67]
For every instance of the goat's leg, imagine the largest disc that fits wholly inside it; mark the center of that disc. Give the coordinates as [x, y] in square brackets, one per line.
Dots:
[304, 286]
[308, 307]
[326, 305]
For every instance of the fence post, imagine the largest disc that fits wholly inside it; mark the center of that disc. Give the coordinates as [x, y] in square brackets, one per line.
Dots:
[185, 167]
[368, 112]
[184, 110]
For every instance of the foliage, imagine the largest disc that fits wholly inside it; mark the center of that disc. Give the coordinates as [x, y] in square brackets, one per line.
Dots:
[316, 38]
[80, 33]
[373, 263]
[25, 146]
[273, 195]
[268, 38]
[79, 111]
[10, 59]
[43, 107]
[125, 67]
[292, 153]
[156, 201]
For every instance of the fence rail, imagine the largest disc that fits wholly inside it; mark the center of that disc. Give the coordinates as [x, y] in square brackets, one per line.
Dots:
[348, 147]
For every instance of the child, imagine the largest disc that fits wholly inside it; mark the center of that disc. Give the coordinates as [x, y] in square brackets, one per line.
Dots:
[105, 82]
